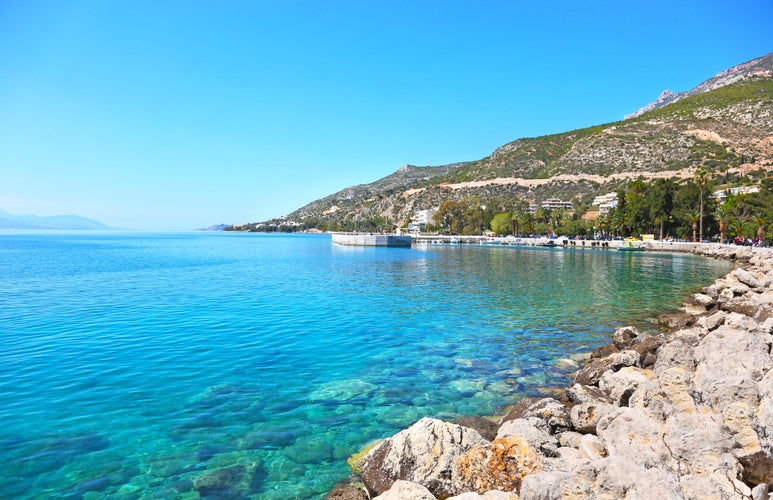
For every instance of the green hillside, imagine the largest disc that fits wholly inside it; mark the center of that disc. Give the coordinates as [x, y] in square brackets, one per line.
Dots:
[720, 130]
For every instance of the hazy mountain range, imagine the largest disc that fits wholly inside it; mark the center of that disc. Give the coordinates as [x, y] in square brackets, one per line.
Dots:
[9, 221]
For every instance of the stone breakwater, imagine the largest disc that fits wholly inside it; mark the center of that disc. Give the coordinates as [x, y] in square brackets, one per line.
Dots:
[683, 414]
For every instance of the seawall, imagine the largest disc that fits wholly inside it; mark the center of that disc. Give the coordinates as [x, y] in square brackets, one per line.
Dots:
[683, 414]
[371, 240]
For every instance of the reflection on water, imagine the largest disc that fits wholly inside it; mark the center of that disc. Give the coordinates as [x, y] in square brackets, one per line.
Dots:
[229, 366]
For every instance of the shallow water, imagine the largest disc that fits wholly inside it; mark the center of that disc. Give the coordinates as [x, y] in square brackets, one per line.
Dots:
[239, 365]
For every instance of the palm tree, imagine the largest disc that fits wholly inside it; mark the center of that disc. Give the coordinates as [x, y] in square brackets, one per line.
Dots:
[759, 221]
[602, 223]
[736, 227]
[558, 218]
[694, 218]
[517, 218]
[542, 215]
[702, 177]
[619, 222]
[721, 215]
[528, 223]
[660, 220]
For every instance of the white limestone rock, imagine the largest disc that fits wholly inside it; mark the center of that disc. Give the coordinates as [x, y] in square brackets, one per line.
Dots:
[401, 490]
[424, 453]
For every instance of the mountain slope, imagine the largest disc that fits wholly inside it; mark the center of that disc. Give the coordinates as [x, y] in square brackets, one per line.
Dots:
[728, 129]
[8, 221]
[760, 66]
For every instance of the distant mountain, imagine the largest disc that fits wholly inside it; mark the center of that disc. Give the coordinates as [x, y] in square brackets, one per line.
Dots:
[216, 227]
[762, 66]
[9, 221]
[727, 130]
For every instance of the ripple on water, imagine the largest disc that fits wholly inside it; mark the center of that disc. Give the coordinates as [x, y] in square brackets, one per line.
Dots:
[233, 366]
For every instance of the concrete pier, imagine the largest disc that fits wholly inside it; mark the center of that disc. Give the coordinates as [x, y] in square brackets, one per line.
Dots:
[372, 240]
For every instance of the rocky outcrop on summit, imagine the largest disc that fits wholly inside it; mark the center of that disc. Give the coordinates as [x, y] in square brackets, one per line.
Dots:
[677, 415]
[759, 66]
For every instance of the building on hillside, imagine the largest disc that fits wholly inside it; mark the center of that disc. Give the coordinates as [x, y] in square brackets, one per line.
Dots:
[555, 203]
[422, 219]
[551, 204]
[722, 194]
[604, 198]
[605, 202]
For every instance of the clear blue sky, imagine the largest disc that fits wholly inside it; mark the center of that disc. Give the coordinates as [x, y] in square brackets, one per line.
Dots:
[182, 114]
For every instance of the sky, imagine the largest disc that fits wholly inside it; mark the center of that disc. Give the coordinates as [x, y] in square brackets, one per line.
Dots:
[176, 115]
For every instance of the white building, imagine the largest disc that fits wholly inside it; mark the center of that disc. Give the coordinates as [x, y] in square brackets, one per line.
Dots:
[421, 219]
[605, 202]
[604, 198]
[425, 217]
[722, 194]
[555, 203]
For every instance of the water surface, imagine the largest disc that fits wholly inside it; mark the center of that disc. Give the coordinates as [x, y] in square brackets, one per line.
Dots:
[239, 365]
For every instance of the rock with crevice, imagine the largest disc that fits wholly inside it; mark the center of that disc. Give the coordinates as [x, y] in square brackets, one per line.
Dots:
[555, 414]
[586, 416]
[592, 373]
[424, 453]
[499, 465]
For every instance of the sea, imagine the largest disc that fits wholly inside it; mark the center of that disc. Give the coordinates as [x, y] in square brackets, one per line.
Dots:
[234, 365]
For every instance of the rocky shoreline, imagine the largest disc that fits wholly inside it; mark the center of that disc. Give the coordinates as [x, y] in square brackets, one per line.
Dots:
[683, 414]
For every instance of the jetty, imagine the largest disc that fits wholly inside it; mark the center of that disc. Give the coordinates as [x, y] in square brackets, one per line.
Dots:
[372, 240]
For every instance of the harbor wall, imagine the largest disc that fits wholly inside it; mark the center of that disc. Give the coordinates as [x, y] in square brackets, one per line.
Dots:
[372, 240]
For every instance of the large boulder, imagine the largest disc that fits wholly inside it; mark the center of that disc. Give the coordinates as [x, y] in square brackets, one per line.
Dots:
[730, 362]
[633, 435]
[620, 385]
[585, 416]
[401, 490]
[548, 409]
[591, 374]
[545, 486]
[500, 465]
[618, 477]
[534, 430]
[424, 453]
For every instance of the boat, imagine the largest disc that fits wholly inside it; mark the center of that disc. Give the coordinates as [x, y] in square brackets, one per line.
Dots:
[631, 245]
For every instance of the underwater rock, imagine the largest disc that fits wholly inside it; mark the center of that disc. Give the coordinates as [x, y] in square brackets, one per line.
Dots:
[220, 483]
[343, 390]
[310, 450]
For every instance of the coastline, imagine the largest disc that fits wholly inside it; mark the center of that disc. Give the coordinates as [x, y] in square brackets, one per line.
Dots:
[683, 414]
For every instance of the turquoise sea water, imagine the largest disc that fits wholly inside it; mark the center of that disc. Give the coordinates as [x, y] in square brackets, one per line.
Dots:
[251, 366]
